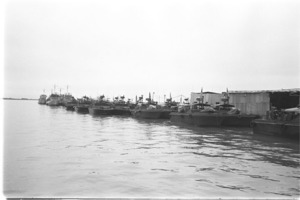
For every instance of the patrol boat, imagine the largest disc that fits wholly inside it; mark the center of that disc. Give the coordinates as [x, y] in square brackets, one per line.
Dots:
[101, 107]
[148, 110]
[203, 114]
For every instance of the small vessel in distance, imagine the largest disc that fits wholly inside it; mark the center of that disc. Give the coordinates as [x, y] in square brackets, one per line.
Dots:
[283, 123]
[42, 99]
[83, 104]
[53, 100]
[101, 107]
[203, 114]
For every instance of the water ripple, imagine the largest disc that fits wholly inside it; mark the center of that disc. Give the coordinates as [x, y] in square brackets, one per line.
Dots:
[57, 152]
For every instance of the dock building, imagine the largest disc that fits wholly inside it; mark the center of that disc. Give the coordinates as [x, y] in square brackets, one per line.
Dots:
[258, 102]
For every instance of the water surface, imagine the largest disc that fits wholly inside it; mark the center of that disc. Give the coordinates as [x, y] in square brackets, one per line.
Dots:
[52, 152]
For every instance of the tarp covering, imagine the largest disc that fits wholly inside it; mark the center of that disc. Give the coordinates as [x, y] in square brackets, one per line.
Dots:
[295, 110]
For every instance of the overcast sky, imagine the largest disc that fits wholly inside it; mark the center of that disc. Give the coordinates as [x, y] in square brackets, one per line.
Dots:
[136, 47]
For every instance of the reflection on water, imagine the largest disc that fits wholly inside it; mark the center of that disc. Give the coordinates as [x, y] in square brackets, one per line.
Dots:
[51, 152]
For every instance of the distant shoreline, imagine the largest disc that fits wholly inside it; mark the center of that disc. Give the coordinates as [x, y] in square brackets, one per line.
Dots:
[20, 99]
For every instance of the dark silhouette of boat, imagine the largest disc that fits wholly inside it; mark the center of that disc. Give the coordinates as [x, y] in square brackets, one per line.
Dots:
[42, 99]
[120, 107]
[168, 107]
[65, 99]
[283, 123]
[149, 110]
[83, 104]
[101, 107]
[203, 114]
[71, 105]
[53, 100]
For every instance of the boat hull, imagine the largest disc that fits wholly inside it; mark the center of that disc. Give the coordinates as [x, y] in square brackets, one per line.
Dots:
[147, 114]
[66, 99]
[82, 109]
[53, 103]
[276, 128]
[42, 101]
[121, 112]
[70, 107]
[212, 119]
[165, 114]
[100, 111]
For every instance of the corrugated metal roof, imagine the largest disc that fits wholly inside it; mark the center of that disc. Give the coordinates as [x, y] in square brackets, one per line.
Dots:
[205, 92]
[263, 91]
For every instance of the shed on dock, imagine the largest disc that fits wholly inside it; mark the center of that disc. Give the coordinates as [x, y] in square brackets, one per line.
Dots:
[257, 102]
[250, 102]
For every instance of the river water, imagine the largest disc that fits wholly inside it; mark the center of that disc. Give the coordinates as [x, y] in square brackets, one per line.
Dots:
[52, 152]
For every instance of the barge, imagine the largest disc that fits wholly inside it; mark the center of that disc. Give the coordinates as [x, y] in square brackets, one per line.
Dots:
[203, 114]
[286, 124]
[213, 119]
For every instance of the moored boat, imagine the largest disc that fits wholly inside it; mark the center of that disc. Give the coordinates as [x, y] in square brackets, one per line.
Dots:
[283, 124]
[42, 99]
[83, 104]
[53, 100]
[168, 107]
[203, 114]
[149, 110]
[101, 107]
[212, 119]
[120, 107]
[146, 114]
[66, 98]
[71, 104]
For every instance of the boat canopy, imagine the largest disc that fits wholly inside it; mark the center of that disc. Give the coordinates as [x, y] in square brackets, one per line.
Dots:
[225, 105]
[293, 110]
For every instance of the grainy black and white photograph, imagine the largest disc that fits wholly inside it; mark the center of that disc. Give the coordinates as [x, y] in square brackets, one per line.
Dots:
[160, 99]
